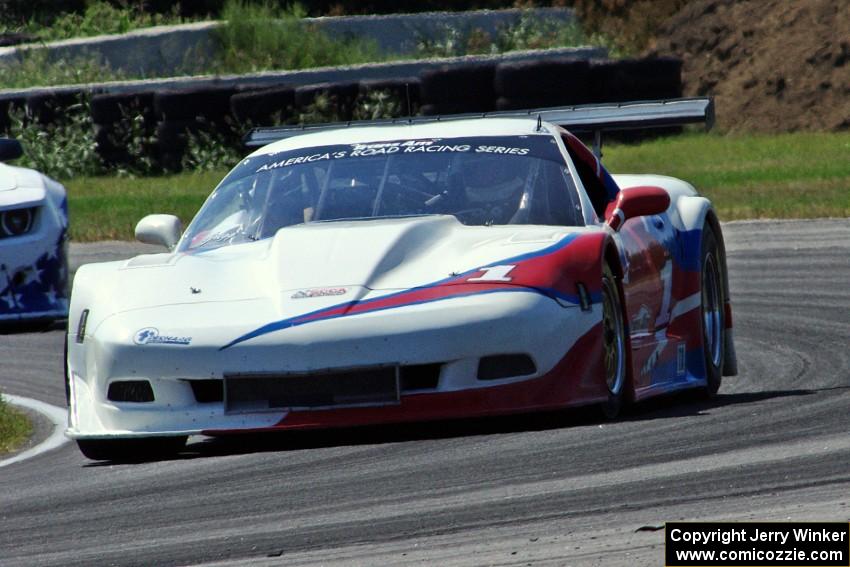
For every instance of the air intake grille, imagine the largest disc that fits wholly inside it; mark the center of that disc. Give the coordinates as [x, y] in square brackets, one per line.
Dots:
[207, 391]
[420, 377]
[352, 388]
[505, 366]
[130, 391]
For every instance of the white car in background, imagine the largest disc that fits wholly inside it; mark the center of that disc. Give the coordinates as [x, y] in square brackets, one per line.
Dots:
[33, 242]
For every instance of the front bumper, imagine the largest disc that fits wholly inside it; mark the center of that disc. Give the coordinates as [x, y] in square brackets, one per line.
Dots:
[455, 333]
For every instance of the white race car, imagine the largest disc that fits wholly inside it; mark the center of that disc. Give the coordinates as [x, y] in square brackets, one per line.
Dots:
[33, 242]
[405, 271]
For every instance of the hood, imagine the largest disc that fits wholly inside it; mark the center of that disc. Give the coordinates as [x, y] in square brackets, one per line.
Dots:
[20, 186]
[328, 260]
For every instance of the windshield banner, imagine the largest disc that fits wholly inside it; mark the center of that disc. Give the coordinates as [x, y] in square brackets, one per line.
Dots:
[540, 146]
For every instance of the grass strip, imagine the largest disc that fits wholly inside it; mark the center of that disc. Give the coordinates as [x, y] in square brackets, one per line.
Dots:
[108, 208]
[798, 175]
[802, 175]
[15, 428]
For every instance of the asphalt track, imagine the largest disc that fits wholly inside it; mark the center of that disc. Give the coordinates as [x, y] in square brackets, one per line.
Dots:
[544, 490]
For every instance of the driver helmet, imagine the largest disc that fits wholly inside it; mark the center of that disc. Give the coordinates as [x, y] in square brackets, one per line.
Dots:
[491, 178]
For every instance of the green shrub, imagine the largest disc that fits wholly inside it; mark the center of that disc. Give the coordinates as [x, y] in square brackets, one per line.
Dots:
[262, 36]
[134, 135]
[66, 148]
[323, 109]
[213, 148]
[529, 32]
[98, 18]
[452, 41]
[259, 37]
[34, 68]
[532, 32]
[63, 149]
[629, 26]
[378, 104]
[219, 148]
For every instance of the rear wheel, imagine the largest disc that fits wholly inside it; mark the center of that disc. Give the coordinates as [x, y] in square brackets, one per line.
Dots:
[712, 310]
[67, 376]
[613, 344]
[131, 450]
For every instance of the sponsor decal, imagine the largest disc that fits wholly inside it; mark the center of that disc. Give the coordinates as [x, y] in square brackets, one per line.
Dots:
[151, 336]
[494, 274]
[81, 326]
[654, 357]
[500, 145]
[322, 156]
[640, 322]
[319, 292]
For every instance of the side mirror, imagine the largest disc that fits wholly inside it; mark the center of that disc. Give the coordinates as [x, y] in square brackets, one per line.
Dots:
[636, 202]
[10, 149]
[159, 229]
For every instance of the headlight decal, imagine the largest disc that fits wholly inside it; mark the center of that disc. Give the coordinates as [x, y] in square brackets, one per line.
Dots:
[16, 222]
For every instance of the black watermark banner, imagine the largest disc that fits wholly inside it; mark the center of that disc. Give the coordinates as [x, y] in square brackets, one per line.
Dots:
[757, 544]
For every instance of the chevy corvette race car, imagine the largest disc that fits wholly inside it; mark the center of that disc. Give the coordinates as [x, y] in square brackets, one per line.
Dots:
[33, 242]
[414, 270]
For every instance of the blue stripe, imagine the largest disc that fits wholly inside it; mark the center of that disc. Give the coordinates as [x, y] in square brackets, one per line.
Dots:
[687, 250]
[293, 322]
[542, 252]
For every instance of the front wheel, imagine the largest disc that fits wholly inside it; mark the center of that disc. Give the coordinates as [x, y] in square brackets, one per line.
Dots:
[613, 344]
[131, 450]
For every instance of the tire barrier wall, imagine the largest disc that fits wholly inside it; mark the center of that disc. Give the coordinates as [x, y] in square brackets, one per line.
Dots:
[164, 117]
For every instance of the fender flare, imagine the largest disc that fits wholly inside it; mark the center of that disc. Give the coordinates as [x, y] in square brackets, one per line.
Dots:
[695, 213]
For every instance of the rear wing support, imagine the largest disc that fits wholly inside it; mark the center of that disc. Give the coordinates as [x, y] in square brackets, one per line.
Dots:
[595, 119]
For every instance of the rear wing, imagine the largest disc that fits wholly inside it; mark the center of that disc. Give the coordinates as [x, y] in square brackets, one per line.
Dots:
[586, 118]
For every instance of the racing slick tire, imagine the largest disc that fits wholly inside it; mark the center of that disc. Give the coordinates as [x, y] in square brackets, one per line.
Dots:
[260, 107]
[553, 82]
[131, 450]
[46, 107]
[211, 103]
[636, 79]
[712, 310]
[342, 97]
[614, 351]
[109, 108]
[458, 90]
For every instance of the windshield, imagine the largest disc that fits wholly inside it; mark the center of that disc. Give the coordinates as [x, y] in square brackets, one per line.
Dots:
[479, 180]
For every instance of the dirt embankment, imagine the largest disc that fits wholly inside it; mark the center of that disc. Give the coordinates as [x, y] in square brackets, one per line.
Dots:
[773, 65]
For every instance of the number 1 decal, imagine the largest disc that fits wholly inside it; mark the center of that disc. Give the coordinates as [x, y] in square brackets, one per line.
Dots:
[494, 274]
